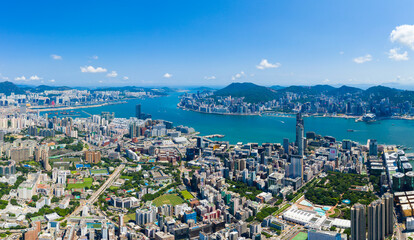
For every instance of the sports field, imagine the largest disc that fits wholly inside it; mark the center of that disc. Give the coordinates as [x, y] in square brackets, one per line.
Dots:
[187, 195]
[172, 199]
[64, 159]
[99, 171]
[129, 217]
[87, 182]
[126, 177]
[300, 236]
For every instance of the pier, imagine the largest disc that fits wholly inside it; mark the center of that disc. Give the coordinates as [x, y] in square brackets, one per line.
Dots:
[214, 136]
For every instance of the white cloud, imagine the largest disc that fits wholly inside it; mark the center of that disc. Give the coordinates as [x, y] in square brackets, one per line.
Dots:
[112, 74]
[403, 34]
[362, 59]
[341, 53]
[125, 78]
[326, 80]
[394, 54]
[100, 81]
[22, 78]
[31, 78]
[52, 80]
[238, 75]
[167, 75]
[34, 78]
[56, 57]
[265, 64]
[3, 77]
[90, 69]
[210, 77]
[94, 57]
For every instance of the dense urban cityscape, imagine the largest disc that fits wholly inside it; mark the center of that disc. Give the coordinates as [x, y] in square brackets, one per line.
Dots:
[322, 100]
[206, 120]
[104, 177]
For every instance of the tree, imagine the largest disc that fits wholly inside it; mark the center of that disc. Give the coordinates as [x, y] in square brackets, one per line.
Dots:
[35, 198]
[14, 202]
[76, 193]
[64, 224]
[347, 232]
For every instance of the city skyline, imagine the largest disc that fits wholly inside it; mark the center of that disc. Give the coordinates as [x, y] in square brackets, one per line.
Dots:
[206, 120]
[207, 44]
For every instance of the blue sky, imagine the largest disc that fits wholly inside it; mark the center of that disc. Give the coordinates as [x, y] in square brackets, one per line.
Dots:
[181, 43]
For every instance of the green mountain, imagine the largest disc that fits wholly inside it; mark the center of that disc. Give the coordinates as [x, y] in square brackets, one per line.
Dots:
[43, 88]
[252, 93]
[202, 89]
[344, 90]
[160, 91]
[277, 87]
[309, 90]
[9, 87]
[395, 96]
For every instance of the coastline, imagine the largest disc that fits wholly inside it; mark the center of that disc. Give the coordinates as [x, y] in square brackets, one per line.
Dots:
[63, 108]
[216, 113]
[289, 115]
[46, 109]
[279, 114]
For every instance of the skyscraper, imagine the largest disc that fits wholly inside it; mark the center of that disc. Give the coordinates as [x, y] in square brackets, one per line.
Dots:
[138, 111]
[299, 134]
[389, 213]
[146, 215]
[42, 154]
[200, 143]
[286, 145]
[134, 129]
[376, 220]
[358, 222]
[121, 220]
[296, 167]
[373, 148]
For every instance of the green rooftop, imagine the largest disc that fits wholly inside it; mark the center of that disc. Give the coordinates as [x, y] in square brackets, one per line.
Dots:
[37, 219]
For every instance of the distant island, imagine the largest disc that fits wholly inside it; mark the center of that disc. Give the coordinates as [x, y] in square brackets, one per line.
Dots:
[320, 100]
[53, 98]
[8, 88]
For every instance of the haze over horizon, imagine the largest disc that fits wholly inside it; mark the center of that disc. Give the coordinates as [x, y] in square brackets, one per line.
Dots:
[205, 43]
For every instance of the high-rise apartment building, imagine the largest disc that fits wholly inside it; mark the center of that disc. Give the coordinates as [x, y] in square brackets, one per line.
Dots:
[376, 220]
[358, 222]
[93, 157]
[389, 213]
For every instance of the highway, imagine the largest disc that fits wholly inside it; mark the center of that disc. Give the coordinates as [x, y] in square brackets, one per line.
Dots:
[95, 196]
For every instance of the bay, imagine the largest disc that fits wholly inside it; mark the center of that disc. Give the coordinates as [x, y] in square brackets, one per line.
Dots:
[263, 128]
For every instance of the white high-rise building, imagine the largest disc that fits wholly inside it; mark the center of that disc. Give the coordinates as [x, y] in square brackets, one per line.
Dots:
[146, 215]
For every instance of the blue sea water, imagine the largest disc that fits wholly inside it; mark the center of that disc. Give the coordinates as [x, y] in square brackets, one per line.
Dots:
[263, 128]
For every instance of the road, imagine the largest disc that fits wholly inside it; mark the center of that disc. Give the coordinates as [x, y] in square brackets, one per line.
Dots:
[114, 176]
[13, 236]
[292, 232]
[398, 228]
